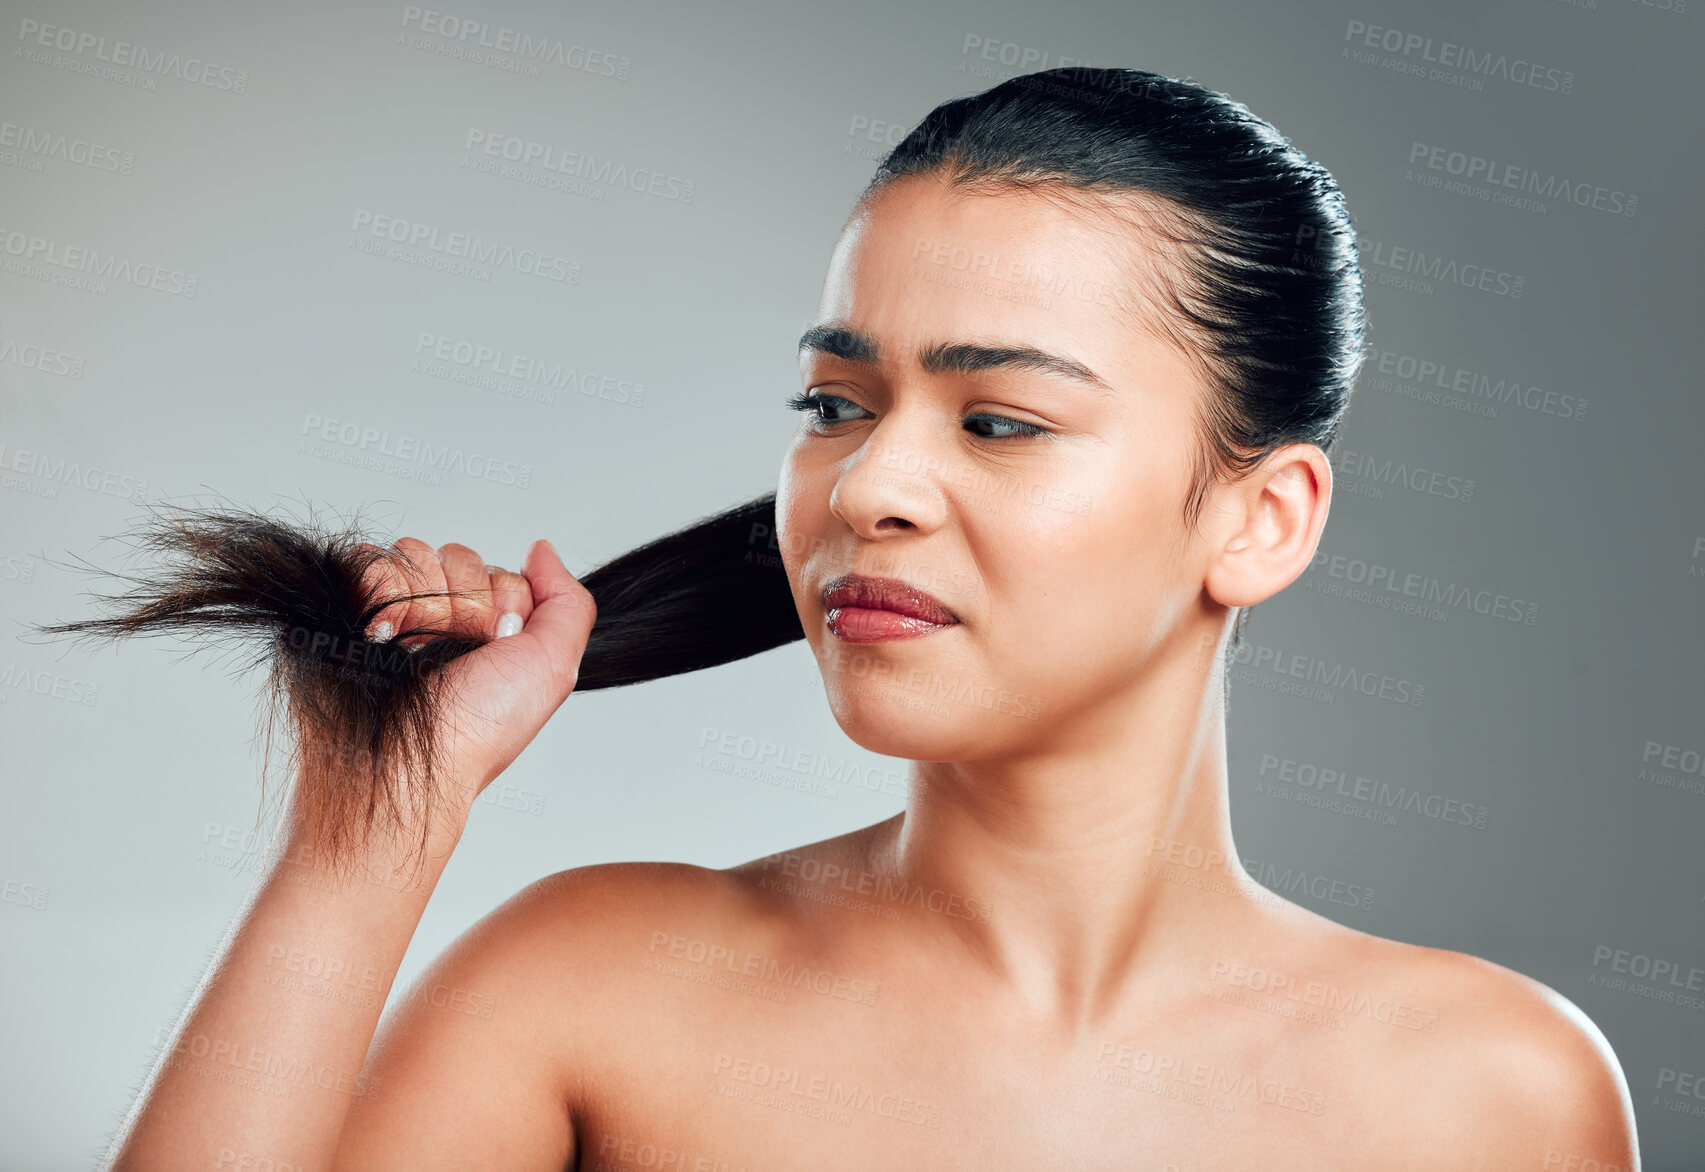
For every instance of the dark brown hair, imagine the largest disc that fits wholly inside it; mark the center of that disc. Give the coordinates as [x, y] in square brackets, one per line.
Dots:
[1261, 286]
[361, 714]
[1266, 296]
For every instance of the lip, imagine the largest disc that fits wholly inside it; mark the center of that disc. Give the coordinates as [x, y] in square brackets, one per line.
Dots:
[863, 609]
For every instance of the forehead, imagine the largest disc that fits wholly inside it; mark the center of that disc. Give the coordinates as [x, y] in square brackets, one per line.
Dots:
[922, 262]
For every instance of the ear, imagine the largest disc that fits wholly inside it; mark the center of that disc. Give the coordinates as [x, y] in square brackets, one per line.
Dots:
[1263, 530]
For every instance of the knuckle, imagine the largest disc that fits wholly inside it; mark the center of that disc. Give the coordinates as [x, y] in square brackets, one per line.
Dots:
[417, 555]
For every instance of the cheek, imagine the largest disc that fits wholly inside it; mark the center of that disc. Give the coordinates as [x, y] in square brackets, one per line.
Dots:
[1071, 592]
[802, 515]
[794, 489]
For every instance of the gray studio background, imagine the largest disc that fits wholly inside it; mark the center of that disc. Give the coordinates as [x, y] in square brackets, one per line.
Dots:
[129, 775]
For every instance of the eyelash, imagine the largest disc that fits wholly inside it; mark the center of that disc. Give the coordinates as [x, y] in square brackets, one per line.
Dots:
[814, 401]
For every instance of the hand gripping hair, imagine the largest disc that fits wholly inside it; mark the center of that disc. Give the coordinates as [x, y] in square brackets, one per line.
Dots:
[362, 713]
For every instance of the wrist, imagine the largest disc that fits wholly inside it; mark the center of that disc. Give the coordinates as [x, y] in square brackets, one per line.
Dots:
[394, 855]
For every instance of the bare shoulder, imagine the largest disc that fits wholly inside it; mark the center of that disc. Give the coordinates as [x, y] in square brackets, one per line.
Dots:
[1512, 1068]
[486, 1058]
[592, 927]
[618, 901]
[560, 954]
[599, 920]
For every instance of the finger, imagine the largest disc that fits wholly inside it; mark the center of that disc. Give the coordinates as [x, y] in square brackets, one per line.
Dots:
[423, 576]
[563, 609]
[470, 590]
[510, 593]
[382, 578]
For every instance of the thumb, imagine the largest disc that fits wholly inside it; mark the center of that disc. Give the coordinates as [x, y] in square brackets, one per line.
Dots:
[563, 610]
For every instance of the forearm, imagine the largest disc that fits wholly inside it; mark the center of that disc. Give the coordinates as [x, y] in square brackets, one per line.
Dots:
[265, 1064]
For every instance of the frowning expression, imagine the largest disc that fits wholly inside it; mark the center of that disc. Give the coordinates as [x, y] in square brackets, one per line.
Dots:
[984, 421]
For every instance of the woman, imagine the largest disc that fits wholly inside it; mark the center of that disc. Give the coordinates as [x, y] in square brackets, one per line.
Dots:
[1081, 352]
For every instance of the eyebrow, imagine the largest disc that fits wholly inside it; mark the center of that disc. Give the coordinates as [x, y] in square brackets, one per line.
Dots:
[843, 342]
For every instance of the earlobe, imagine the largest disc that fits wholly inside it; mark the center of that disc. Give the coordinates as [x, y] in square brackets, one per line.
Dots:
[1282, 511]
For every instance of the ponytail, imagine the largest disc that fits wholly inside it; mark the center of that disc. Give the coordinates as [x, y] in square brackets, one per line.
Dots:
[362, 714]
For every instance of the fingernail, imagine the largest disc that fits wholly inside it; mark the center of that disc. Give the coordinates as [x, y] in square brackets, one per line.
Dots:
[382, 633]
[509, 624]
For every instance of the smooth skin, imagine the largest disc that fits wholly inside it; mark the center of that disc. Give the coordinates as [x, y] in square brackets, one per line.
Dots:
[1051, 959]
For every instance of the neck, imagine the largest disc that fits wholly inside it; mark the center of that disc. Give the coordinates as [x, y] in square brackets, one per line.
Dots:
[1102, 853]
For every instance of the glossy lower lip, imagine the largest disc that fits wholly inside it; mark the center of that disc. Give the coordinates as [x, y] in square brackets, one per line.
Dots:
[861, 624]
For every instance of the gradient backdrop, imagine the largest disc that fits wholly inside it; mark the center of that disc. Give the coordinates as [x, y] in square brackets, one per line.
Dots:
[203, 292]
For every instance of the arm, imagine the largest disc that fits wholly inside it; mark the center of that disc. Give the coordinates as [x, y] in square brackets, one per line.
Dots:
[269, 1058]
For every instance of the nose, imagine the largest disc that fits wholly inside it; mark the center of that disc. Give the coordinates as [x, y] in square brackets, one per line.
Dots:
[893, 483]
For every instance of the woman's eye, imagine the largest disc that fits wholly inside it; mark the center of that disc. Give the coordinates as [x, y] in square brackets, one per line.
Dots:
[1021, 430]
[825, 409]
[822, 407]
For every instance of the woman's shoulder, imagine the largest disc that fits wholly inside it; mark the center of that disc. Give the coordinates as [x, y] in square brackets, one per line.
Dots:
[1506, 1061]
[615, 909]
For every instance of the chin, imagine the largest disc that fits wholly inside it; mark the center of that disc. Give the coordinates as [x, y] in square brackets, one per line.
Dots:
[888, 718]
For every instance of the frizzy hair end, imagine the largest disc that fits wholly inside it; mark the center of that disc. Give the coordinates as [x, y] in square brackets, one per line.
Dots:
[363, 715]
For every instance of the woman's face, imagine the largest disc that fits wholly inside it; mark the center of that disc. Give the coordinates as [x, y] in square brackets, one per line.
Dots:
[997, 432]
